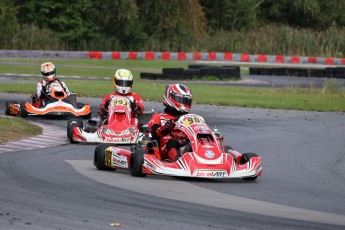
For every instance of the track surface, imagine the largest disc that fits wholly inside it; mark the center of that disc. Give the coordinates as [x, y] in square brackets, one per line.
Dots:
[302, 186]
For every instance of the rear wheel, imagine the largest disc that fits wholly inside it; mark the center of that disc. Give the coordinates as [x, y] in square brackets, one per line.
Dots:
[244, 159]
[23, 112]
[136, 163]
[8, 107]
[70, 129]
[100, 157]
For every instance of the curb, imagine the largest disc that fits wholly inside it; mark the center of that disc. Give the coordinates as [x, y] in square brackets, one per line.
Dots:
[51, 136]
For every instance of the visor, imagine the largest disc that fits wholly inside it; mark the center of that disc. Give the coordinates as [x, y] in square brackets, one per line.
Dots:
[185, 100]
[48, 73]
[124, 83]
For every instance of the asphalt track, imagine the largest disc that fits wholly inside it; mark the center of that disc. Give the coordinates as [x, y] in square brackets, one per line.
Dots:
[302, 186]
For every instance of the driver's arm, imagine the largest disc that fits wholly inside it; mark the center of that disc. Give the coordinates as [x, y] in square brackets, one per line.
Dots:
[65, 88]
[39, 89]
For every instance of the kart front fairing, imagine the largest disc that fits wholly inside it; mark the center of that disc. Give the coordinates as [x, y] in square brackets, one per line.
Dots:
[205, 158]
[189, 166]
[119, 128]
[58, 107]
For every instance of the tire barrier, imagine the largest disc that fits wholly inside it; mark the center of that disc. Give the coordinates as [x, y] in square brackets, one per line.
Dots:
[195, 72]
[328, 72]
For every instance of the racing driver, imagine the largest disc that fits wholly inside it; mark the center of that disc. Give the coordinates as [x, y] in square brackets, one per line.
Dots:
[123, 81]
[177, 100]
[48, 71]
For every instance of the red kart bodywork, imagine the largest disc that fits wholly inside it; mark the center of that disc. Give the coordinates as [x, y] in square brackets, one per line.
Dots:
[119, 128]
[205, 157]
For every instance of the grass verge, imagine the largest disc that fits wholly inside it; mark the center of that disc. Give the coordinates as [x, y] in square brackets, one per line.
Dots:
[12, 129]
[329, 98]
[310, 99]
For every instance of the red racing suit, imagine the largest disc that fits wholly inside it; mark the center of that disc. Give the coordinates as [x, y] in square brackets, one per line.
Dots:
[168, 140]
[137, 103]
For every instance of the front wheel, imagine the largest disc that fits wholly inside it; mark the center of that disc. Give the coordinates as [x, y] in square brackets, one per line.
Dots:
[101, 156]
[136, 163]
[70, 129]
[244, 159]
[23, 112]
[8, 107]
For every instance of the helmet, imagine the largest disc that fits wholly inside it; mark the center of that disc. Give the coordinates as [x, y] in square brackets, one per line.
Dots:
[123, 81]
[48, 71]
[178, 97]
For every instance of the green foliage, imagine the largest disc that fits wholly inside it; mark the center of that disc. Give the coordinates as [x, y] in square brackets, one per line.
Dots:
[286, 27]
[68, 18]
[228, 15]
[8, 22]
[178, 24]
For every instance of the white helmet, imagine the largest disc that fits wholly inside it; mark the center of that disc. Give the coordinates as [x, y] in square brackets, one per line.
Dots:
[48, 71]
[123, 81]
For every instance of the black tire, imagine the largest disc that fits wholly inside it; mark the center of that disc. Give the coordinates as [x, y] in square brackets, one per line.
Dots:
[136, 163]
[8, 106]
[87, 116]
[70, 127]
[244, 159]
[99, 157]
[23, 112]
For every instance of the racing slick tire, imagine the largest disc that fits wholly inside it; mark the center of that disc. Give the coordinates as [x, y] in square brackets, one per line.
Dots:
[136, 163]
[70, 127]
[244, 159]
[8, 106]
[23, 112]
[99, 157]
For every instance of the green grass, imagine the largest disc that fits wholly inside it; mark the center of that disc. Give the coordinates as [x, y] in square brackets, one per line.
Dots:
[87, 68]
[329, 98]
[275, 98]
[12, 129]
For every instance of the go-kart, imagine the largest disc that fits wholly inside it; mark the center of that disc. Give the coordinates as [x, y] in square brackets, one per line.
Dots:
[119, 127]
[57, 103]
[203, 155]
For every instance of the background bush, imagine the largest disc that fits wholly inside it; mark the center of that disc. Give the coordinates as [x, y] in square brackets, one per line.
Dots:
[286, 27]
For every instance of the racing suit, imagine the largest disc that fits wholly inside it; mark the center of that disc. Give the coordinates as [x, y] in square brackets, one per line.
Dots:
[162, 129]
[43, 93]
[137, 103]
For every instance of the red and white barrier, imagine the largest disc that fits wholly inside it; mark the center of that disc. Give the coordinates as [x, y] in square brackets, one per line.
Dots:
[215, 56]
[183, 56]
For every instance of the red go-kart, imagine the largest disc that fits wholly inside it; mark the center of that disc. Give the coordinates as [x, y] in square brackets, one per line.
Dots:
[203, 155]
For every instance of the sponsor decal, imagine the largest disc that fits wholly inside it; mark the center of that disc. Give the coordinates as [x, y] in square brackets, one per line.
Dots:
[150, 166]
[201, 129]
[208, 146]
[209, 154]
[117, 139]
[216, 174]
[123, 133]
[60, 107]
[120, 161]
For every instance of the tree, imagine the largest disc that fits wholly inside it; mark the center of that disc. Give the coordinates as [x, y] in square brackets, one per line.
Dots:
[231, 15]
[8, 22]
[315, 14]
[70, 18]
[177, 23]
[118, 19]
